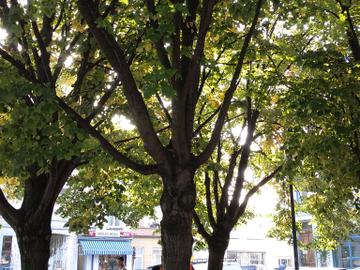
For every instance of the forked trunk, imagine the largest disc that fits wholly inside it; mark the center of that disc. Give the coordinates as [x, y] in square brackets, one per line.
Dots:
[34, 245]
[177, 204]
[218, 244]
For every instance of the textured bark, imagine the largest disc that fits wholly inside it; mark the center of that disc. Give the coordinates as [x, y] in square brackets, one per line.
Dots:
[33, 231]
[177, 204]
[218, 244]
[34, 245]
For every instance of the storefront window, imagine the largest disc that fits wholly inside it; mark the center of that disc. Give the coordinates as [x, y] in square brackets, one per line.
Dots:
[322, 257]
[108, 262]
[348, 255]
[58, 248]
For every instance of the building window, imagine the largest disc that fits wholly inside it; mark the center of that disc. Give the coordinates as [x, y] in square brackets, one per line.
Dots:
[6, 251]
[348, 254]
[138, 262]
[246, 258]
[355, 248]
[307, 257]
[156, 256]
[59, 256]
[114, 222]
[285, 261]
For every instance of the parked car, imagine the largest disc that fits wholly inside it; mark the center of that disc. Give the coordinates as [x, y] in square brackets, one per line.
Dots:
[232, 266]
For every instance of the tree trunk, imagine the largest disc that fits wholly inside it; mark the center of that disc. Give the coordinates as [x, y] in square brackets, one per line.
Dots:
[34, 245]
[218, 244]
[177, 204]
[33, 219]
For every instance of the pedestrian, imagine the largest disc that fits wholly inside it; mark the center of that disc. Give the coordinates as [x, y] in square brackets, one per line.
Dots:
[120, 262]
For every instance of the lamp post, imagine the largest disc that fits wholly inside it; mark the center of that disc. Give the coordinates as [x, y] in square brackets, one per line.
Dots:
[293, 227]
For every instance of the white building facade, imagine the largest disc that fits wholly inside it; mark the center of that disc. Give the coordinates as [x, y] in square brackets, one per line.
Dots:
[63, 246]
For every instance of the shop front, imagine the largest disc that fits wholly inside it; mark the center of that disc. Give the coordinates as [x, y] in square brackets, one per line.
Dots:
[63, 250]
[348, 254]
[99, 253]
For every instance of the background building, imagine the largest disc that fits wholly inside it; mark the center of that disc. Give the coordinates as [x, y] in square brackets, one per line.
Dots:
[63, 246]
[348, 254]
[249, 245]
[146, 242]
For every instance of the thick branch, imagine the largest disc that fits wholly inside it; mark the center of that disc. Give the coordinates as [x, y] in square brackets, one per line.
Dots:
[58, 175]
[204, 156]
[244, 160]
[252, 191]
[159, 45]
[59, 20]
[45, 56]
[83, 69]
[217, 178]
[201, 228]
[225, 189]
[18, 65]
[7, 211]
[166, 112]
[205, 21]
[356, 145]
[185, 108]
[107, 146]
[209, 209]
[352, 37]
[351, 32]
[188, 33]
[216, 182]
[111, 48]
[175, 37]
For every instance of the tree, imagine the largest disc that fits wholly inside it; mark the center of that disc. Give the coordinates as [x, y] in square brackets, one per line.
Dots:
[224, 191]
[172, 67]
[322, 127]
[180, 60]
[37, 157]
[40, 145]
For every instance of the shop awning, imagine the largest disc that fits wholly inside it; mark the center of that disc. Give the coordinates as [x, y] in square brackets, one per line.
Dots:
[105, 247]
